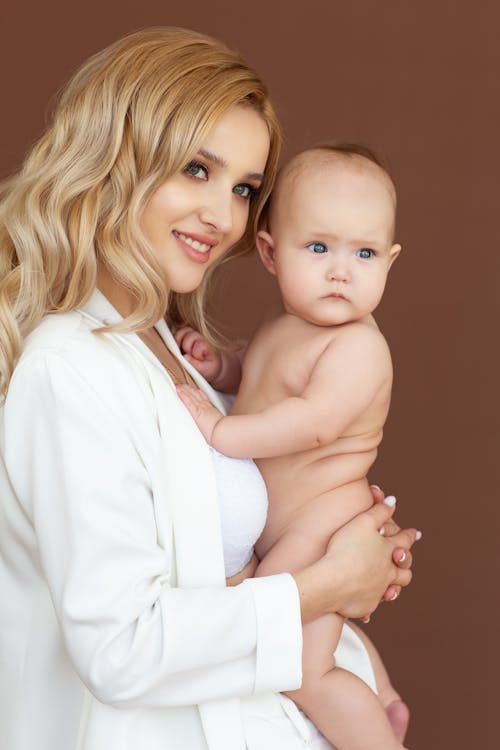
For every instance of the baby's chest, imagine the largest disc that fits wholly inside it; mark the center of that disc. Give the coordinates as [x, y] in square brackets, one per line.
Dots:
[291, 368]
[278, 366]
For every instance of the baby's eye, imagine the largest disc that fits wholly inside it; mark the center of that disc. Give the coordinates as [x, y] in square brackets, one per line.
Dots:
[197, 170]
[317, 247]
[245, 191]
[365, 253]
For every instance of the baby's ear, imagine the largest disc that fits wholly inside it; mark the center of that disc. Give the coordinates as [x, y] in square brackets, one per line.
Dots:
[393, 253]
[265, 246]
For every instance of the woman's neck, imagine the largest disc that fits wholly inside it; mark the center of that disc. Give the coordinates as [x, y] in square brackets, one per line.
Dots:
[117, 294]
[122, 301]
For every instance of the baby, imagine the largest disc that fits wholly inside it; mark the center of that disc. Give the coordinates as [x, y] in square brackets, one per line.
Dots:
[314, 395]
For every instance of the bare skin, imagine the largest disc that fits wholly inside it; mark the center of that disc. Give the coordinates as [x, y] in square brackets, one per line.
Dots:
[315, 491]
[312, 403]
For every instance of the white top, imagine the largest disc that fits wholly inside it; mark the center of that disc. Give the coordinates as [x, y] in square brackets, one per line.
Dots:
[242, 507]
[116, 629]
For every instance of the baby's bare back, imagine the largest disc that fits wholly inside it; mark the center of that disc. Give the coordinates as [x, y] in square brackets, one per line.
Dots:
[316, 491]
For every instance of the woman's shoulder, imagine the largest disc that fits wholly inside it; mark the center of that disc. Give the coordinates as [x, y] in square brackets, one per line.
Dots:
[54, 333]
[63, 337]
[65, 350]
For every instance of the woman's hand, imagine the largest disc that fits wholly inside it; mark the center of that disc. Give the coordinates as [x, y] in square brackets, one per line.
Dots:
[358, 568]
[401, 555]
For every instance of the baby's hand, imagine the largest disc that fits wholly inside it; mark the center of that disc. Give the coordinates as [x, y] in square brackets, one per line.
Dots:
[203, 412]
[195, 349]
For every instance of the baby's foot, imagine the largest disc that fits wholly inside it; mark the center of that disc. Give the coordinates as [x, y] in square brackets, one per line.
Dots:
[399, 716]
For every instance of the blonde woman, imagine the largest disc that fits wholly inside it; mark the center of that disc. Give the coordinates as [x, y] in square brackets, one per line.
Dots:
[117, 631]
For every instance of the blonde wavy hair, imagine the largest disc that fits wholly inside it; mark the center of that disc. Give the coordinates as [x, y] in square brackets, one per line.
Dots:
[132, 116]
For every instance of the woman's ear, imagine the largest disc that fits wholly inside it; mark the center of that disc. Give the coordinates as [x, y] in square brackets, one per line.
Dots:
[265, 246]
[393, 253]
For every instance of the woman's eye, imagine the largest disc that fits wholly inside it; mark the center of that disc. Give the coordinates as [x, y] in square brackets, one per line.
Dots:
[197, 170]
[317, 247]
[245, 191]
[365, 253]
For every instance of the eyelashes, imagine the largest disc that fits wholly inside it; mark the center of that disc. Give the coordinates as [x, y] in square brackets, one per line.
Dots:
[365, 253]
[198, 171]
[317, 247]
[193, 169]
[246, 191]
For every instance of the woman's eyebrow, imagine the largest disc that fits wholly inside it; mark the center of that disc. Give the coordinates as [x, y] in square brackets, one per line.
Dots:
[214, 158]
[220, 162]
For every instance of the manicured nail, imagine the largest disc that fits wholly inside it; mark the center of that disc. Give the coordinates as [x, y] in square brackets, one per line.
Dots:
[381, 531]
[418, 535]
[390, 500]
[403, 557]
[375, 486]
[394, 596]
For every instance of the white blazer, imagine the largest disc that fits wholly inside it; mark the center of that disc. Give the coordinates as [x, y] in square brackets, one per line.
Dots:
[116, 629]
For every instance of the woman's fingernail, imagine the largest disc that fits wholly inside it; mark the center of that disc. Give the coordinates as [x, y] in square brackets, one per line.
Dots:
[376, 487]
[403, 557]
[394, 596]
[390, 500]
[381, 531]
[418, 535]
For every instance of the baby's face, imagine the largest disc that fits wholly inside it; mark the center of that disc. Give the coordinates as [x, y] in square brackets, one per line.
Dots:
[330, 244]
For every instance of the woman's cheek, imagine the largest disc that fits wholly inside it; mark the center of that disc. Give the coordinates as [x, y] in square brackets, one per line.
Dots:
[241, 220]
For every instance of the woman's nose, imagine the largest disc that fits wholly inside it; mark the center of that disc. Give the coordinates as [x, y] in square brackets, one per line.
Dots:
[218, 212]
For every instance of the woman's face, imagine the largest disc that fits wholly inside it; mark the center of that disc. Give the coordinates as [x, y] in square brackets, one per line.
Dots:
[195, 216]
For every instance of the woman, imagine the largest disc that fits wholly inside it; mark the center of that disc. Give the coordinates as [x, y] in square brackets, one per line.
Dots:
[117, 631]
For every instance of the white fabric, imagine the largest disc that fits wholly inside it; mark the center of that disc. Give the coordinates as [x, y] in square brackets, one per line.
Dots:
[116, 629]
[242, 508]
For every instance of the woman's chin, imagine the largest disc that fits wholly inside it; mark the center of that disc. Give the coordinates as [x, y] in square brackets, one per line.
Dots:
[185, 285]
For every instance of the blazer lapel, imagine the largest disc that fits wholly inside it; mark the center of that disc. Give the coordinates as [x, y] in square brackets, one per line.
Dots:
[192, 498]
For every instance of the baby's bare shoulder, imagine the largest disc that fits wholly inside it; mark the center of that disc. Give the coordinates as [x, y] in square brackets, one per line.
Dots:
[356, 346]
[364, 333]
[283, 332]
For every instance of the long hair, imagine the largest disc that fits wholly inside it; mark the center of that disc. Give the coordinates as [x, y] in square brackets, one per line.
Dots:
[131, 117]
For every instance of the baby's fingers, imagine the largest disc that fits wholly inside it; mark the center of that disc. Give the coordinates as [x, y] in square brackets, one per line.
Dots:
[192, 398]
[181, 336]
[200, 349]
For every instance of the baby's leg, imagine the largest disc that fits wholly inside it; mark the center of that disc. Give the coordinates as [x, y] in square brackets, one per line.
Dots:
[341, 705]
[397, 711]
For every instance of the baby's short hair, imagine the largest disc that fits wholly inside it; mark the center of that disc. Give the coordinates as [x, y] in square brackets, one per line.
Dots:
[349, 149]
[343, 150]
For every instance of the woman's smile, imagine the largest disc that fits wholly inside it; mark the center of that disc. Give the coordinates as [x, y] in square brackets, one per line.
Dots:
[198, 247]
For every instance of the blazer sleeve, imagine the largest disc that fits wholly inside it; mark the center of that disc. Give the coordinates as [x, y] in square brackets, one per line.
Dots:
[135, 640]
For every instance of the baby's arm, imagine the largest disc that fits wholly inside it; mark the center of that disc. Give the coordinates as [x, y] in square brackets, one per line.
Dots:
[343, 383]
[221, 369]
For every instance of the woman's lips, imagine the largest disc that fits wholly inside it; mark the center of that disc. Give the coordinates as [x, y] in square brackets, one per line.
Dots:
[196, 246]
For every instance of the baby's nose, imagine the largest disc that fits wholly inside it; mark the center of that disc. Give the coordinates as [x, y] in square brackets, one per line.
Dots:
[338, 271]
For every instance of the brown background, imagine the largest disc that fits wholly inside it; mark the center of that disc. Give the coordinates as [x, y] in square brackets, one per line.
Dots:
[418, 82]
